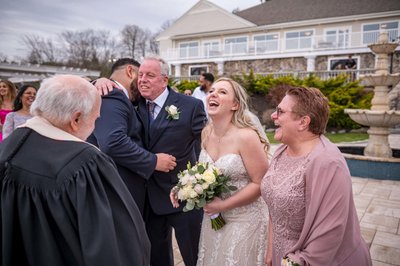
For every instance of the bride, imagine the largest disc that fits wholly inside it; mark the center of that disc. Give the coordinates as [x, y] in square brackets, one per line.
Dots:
[234, 144]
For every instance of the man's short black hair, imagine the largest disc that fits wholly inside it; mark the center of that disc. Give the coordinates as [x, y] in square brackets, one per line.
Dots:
[208, 76]
[123, 62]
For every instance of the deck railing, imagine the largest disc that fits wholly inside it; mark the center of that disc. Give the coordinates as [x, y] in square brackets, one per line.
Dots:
[351, 75]
[277, 45]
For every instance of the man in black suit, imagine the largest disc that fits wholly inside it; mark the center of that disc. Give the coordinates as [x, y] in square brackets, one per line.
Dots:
[176, 136]
[119, 133]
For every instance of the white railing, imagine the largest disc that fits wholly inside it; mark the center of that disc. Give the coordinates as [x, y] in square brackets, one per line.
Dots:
[351, 75]
[311, 43]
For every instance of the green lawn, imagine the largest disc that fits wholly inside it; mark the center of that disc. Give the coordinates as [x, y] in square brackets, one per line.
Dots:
[335, 138]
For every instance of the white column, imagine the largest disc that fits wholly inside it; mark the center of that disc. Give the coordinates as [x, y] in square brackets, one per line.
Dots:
[177, 70]
[220, 67]
[310, 62]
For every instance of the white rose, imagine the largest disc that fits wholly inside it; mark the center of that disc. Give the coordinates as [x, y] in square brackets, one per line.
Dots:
[173, 110]
[184, 179]
[204, 186]
[184, 193]
[193, 194]
[209, 177]
[199, 189]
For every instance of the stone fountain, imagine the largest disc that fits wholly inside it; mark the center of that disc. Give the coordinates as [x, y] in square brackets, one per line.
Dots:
[380, 118]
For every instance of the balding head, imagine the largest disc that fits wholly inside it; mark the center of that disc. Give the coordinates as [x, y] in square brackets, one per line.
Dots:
[66, 99]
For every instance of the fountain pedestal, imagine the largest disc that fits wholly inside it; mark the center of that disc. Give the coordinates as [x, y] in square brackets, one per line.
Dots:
[378, 161]
[379, 118]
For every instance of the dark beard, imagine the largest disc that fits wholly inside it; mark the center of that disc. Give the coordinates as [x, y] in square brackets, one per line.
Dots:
[135, 93]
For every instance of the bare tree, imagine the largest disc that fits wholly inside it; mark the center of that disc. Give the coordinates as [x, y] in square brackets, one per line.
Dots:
[133, 40]
[89, 48]
[153, 44]
[40, 50]
[3, 57]
[166, 24]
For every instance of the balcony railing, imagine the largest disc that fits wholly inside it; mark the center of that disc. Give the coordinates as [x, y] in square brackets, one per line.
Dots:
[351, 75]
[339, 41]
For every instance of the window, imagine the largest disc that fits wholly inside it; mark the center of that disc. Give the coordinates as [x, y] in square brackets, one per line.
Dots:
[338, 38]
[266, 43]
[197, 70]
[371, 31]
[188, 49]
[339, 63]
[299, 40]
[237, 45]
[211, 49]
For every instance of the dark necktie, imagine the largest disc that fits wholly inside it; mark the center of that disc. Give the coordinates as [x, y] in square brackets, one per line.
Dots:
[150, 109]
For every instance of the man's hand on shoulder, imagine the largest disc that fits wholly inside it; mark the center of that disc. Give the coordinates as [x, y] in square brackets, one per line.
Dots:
[104, 86]
[165, 162]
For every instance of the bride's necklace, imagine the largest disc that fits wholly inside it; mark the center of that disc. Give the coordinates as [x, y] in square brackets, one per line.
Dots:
[219, 138]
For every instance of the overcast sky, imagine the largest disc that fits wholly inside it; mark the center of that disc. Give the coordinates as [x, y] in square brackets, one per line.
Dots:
[47, 18]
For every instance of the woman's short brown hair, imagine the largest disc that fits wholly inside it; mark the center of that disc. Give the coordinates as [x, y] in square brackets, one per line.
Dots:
[311, 102]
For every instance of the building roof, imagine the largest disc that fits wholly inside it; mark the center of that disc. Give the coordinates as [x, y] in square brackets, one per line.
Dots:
[203, 17]
[282, 11]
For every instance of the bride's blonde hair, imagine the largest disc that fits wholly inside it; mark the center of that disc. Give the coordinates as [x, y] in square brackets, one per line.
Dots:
[242, 116]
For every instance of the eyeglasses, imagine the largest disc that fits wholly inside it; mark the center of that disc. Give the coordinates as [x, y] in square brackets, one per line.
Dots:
[280, 112]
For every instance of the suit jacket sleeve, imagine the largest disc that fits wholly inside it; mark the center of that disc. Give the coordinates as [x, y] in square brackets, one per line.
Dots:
[117, 116]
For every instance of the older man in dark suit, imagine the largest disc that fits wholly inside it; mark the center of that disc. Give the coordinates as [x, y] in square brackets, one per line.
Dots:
[176, 135]
[119, 133]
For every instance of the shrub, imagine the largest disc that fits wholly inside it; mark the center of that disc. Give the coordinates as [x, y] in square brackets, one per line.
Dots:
[186, 85]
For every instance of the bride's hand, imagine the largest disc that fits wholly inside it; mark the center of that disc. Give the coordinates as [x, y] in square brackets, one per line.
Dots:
[174, 199]
[213, 207]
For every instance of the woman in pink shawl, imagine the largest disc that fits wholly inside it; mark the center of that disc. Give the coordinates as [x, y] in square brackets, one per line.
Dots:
[313, 220]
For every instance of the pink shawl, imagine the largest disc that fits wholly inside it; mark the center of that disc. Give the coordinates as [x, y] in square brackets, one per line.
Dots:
[331, 232]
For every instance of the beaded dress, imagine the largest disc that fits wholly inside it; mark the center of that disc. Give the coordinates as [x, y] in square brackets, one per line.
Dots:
[283, 190]
[243, 238]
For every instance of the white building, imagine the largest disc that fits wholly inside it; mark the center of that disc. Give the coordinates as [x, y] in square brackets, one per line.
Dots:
[278, 36]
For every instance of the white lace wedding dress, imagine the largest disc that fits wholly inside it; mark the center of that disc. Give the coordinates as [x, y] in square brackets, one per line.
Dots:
[242, 240]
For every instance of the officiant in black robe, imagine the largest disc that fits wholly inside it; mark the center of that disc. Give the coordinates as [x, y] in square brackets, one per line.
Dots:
[62, 200]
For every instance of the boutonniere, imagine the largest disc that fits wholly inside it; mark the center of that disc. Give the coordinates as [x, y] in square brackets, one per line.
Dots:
[173, 112]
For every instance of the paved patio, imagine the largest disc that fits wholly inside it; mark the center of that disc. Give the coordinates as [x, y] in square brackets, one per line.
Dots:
[378, 209]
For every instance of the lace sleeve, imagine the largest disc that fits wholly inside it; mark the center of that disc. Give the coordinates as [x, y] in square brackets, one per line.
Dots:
[8, 126]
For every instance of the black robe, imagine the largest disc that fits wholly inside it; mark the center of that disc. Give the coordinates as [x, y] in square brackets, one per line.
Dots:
[63, 203]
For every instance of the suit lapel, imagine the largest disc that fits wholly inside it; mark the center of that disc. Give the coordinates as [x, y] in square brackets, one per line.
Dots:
[161, 122]
[144, 116]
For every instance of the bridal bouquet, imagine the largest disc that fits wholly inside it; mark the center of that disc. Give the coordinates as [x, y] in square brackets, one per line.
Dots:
[199, 184]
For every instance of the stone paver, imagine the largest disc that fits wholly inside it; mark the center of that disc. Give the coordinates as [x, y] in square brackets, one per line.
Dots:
[378, 208]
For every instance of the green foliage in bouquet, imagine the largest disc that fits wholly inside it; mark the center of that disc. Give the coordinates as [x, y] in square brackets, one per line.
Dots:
[202, 183]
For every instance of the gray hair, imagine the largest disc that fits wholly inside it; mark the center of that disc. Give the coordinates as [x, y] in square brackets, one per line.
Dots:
[163, 64]
[60, 96]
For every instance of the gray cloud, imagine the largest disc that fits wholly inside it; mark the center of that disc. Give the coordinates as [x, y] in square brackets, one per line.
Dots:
[48, 18]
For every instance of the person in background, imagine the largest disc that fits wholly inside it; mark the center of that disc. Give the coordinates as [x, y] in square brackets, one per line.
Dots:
[73, 207]
[119, 131]
[350, 63]
[8, 92]
[22, 105]
[308, 189]
[187, 92]
[205, 81]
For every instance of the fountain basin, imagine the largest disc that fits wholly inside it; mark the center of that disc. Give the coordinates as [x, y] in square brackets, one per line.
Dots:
[383, 48]
[371, 167]
[375, 118]
[380, 79]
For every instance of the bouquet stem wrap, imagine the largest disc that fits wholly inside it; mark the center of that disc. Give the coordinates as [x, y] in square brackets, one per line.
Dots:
[217, 221]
